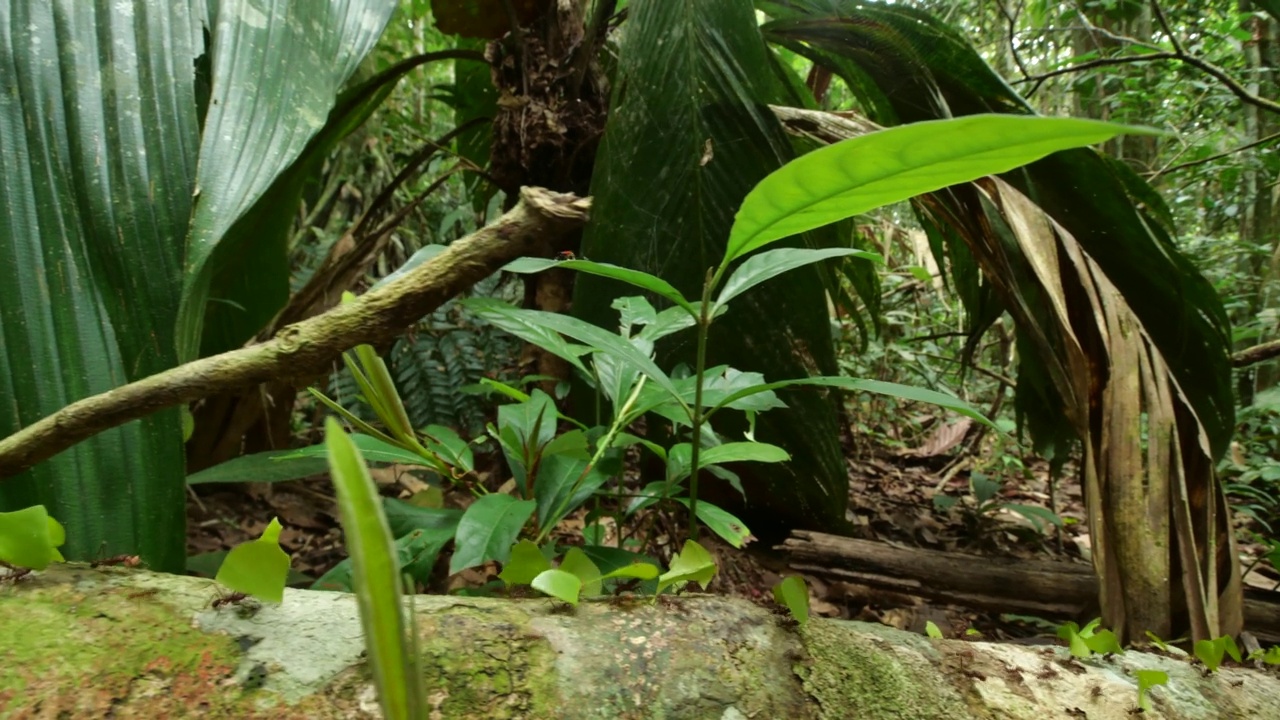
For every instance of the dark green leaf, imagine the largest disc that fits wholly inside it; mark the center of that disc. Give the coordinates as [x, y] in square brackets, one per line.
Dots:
[270, 466]
[488, 529]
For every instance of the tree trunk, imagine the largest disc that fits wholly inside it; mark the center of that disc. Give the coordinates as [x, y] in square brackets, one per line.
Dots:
[81, 642]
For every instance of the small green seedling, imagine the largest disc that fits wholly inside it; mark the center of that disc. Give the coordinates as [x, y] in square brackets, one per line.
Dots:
[793, 594]
[258, 567]
[1148, 679]
[932, 630]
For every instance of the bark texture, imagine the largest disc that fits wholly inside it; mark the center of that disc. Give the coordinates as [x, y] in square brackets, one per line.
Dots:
[82, 642]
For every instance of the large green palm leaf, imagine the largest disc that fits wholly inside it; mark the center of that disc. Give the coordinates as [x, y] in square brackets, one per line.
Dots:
[1126, 344]
[116, 188]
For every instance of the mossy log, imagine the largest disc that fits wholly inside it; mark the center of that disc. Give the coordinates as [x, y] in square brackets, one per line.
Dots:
[80, 642]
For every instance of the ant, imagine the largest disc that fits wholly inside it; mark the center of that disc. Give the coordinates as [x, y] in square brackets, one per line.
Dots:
[129, 561]
[15, 573]
[230, 599]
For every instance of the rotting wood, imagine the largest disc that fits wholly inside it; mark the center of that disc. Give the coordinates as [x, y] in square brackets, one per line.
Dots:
[1054, 589]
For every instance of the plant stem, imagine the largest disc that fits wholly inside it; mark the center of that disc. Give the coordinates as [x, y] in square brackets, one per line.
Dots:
[704, 329]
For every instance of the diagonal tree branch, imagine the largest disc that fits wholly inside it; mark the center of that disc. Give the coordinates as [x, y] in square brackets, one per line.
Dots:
[306, 349]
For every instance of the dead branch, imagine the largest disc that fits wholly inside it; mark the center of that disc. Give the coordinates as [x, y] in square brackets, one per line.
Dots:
[306, 349]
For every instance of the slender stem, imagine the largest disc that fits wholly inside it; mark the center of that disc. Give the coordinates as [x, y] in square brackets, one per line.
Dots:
[704, 329]
[619, 422]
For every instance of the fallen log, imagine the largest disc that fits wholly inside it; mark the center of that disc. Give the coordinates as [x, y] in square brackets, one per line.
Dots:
[1051, 589]
[99, 642]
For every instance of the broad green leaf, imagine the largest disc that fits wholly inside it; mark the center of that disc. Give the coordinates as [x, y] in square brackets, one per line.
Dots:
[258, 567]
[451, 448]
[270, 466]
[743, 452]
[559, 584]
[599, 340]
[642, 280]
[860, 174]
[403, 518]
[668, 322]
[693, 564]
[679, 456]
[768, 265]
[580, 566]
[524, 429]
[1104, 642]
[1038, 516]
[638, 570]
[312, 49]
[905, 392]
[518, 323]
[932, 630]
[525, 564]
[563, 483]
[99, 120]
[1078, 647]
[389, 639]
[488, 529]
[793, 594]
[1210, 652]
[722, 523]
[1148, 679]
[29, 538]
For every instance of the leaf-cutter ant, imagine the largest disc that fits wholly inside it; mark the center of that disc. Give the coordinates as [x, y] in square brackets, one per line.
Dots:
[129, 561]
[234, 598]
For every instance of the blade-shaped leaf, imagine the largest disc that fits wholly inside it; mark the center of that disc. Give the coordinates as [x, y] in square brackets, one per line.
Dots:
[642, 280]
[767, 265]
[895, 164]
[311, 49]
[906, 392]
[376, 575]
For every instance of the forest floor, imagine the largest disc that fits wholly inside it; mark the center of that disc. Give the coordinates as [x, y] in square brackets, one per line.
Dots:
[891, 499]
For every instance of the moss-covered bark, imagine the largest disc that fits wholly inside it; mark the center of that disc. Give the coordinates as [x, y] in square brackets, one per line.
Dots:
[81, 642]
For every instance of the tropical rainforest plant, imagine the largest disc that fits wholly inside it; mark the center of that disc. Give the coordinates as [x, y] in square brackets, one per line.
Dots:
[667, 123]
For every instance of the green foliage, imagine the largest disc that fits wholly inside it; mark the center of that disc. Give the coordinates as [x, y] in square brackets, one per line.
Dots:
[1211, 652]
[390, 641]
[1148, 679]
[138, 215]
[792, 592]
[30, 538]
[258, 567]
[932, 630]
[1084, 642]
[863, 173]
